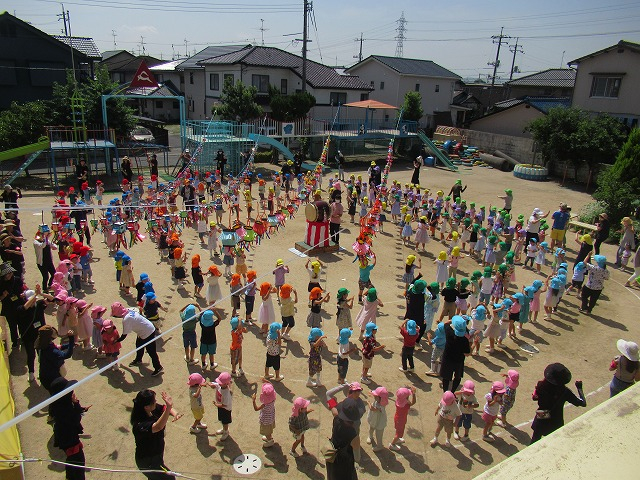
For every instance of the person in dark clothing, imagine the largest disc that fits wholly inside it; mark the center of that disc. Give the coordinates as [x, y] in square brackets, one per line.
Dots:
[11, 252]
[10, 197]
[67, 427]
[298, 159]
[125, 168]
[456, 350]
[457, 189]
[30, 318]
[221, 161]
[415, 305]
[417, 165]
[44, 258]
[148, 421]
[153, 164]
[11, 287]
[52, 357]
[82, 173]
[343, 432]
[604, 228]
[551, 395]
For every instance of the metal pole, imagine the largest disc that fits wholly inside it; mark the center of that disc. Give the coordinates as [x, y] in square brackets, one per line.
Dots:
[304, 47]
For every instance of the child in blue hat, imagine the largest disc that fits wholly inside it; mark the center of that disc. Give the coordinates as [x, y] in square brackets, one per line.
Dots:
[577, 279]
[316, 342]
[344, 350]
[237, 334]
[208, 340]
[274, 341]
[369, 348]
[409, 332]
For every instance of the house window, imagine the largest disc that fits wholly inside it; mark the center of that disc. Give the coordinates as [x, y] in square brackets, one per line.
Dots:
[214, 81]
[417, 88]
[283, 86]
[191, 78]
[337, 98]
[386, 118]
[607, 87]
[228, 77]
[261, 82]
[364, 96]
[437, 88]
[159, 104]
[381, 85]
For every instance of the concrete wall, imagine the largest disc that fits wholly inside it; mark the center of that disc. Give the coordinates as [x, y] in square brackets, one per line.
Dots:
[511, 121]
[520, 148]
[626, 63]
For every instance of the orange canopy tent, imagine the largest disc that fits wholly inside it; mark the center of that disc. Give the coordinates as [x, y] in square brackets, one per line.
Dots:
[369, 105]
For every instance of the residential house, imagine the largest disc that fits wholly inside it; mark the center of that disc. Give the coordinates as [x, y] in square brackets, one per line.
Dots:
[168, 72]
[510, 117]
[607, 82]
[553, 82]
[153, 106]
[392, 77]
[466, 107]
[31, 61]
[123, 65]
[198, 97]
[264, 66]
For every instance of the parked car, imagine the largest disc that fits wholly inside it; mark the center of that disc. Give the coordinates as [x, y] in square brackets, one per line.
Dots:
[142, 134]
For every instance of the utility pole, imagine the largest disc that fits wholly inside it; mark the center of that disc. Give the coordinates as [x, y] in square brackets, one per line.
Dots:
[307, 7]
[515, 49]
[186, 47]
[262, 30]
[400, 37]
[142, 44]
[359, 56]
[114, 35]
[501, 38]
[63, 16]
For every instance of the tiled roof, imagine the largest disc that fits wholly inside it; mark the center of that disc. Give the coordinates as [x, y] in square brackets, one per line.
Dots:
[553, 77]
[318, 75]
[84, 45]
[165, 89]
[208, 52]
[621, 44]
[544, 104]
[167, 66]
[412, 66]
[112, 53]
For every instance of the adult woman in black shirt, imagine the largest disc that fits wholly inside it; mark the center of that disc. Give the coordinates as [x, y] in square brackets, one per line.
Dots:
[604, 228]
[125, 167]
[153, 164]
[456, 350]
[551, 395]
[30, 319]
[82, 173]
[148, 421]
[342, 433]
[415, 305]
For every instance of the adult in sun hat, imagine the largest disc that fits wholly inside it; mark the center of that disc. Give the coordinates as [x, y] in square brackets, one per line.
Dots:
[10, 197]
[67, 427]
[627, 236]
[44, 260]
[343, 432]
[31, 316]
[456, 349]
[11, 287]
[597, 273]
[533, 225]
[559, 227]
[626, 367]
[551, 395]
[457, 189]
[52, 356]
[602, 233]
[145, 332]
[508, 199]
[417, 165]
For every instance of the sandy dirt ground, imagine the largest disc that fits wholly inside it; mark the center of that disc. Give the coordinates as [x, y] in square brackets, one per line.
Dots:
[585, 344]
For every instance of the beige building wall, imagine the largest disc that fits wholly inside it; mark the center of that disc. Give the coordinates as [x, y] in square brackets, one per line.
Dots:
[612, 63]
[509, 122]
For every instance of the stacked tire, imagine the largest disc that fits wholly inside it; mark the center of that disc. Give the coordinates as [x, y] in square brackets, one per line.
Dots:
[528, 172]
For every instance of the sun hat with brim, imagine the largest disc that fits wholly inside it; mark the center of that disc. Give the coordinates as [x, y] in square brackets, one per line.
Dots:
[601, 260]
[498, 387]
[412, 327]
[402, 396]
[459, 326]
[344, 336]
[369, 329]
[628, 349]
[348, 410]
[108, 323]
[586, 238]
[196, 379]
[223, 379]
[6, 269]
[604, 215]
[448, 398]
[46, 334]
[60, 384]
[383, 394]
[268, 394]
[206, 319]
[513, 379]
[469, 387]
[298, 404]
[118, 310]
[61, 297]
[557, 374]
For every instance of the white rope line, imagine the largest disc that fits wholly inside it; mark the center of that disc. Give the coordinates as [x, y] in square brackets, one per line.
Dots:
[30, 412]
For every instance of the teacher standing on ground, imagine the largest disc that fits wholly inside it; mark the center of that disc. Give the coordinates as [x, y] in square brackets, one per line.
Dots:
[533, 226]
[335, 218]
[456, 350]
[417, 164]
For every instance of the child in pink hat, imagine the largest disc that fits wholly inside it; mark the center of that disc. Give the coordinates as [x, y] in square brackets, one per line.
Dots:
[403, 404]
[267, 411]
[96, 334]
[467, 402]
[224, 402]
[110, 344]
[491, 409]
[195, 382]
[85, 324]
[299, 423]
[377, 417]
[448, 413]
[511, 381]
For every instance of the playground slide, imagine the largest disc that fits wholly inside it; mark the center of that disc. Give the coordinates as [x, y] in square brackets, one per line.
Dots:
[436, 152]
[41, 144]
[274, 143]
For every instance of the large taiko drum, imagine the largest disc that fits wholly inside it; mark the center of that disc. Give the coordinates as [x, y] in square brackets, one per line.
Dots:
[317, 211]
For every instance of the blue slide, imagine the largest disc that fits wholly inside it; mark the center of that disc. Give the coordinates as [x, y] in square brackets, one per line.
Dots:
[274, 143]
[436, 152]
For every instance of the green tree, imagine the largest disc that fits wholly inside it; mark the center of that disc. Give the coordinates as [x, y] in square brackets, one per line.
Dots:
[619, 186]
[22, 124]
[238, 102]
[286, 108]
[412, 107]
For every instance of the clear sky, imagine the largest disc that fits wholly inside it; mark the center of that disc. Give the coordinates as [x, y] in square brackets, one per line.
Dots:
[456, 35]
